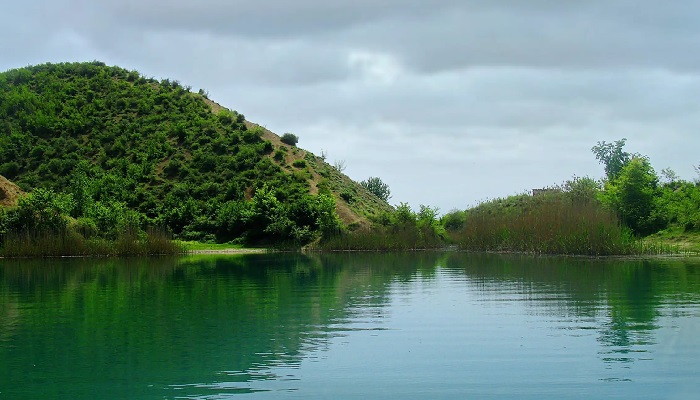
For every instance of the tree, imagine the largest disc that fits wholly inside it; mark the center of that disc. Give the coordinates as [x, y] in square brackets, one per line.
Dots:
[377, 187]
[41, 211]
[290, 139]
[632, 194]
[339, 165]
[453, 220]
[669, 175]
[612, 157]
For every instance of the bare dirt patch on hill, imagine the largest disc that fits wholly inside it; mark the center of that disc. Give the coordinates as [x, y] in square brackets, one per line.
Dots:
[9, 193]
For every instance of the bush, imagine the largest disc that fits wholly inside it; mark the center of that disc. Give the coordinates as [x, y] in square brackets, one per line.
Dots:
[299, 163]
[377, 187]
[348, 196]
[290, 139]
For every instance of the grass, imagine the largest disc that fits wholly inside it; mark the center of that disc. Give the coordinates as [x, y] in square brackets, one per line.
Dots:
[198, 246]
[678, 238]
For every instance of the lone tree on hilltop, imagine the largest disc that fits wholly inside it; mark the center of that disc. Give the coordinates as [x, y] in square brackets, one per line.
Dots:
[290, 139]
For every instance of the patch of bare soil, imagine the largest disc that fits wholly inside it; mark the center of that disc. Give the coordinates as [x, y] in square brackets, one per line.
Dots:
[9, 193]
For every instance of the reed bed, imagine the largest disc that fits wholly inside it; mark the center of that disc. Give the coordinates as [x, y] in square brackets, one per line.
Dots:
[555, 224]
[70, 243]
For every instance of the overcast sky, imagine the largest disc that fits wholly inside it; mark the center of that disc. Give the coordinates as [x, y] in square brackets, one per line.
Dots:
[449, 102]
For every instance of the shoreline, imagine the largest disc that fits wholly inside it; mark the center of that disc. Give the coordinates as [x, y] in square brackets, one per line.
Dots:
[244, 251]
[228, 251]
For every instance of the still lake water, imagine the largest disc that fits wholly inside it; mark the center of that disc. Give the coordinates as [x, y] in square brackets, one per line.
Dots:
[350, 326]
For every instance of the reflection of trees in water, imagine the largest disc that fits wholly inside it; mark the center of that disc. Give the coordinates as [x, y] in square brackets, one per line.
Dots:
[628, 293]
[9, 317]
[175, 321]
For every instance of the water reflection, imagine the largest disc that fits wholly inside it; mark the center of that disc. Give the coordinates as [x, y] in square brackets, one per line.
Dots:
[210, 327]
[619, 299]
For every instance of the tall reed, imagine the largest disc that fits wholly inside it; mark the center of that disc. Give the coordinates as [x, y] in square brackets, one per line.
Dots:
[552, 224]
[67, 242]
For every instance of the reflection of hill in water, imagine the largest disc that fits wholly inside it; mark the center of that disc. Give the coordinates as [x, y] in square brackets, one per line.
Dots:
[169, 321]
[238, 319]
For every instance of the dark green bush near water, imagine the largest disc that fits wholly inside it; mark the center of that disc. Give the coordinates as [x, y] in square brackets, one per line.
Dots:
[41, 225]
[633, 195]
[43, 210]
[266, 219]
[679, 204]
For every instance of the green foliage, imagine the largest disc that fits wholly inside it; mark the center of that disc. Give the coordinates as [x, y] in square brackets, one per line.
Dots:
[43, 210]
[299, 163]
[427, 220]
[401, 229]
[40, 226]
[632, 190]
[267, 218]
[377, 187]
[581, 188]
[348, 196]
[131, 151]
[290, 139]
[679, 204]
[632, 195]
[612, 157]
[453, 220]
[227, 117]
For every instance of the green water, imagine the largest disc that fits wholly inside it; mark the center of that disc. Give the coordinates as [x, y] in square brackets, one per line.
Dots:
[350, 326]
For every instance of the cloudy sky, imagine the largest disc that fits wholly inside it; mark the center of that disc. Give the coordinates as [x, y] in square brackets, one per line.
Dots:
[450, 102]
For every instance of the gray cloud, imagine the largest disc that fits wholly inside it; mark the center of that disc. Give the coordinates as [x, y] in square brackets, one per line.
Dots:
[449, 102]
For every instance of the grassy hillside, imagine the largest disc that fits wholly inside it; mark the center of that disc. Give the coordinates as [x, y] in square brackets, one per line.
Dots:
[127, 149]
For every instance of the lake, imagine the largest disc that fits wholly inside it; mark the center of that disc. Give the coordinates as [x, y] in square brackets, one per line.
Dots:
[433, 325]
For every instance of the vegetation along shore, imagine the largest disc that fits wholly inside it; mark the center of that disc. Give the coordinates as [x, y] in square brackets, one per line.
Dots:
[100, 160]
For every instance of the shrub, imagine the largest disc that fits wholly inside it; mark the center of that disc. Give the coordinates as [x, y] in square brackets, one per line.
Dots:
[348, 196]
[266, 147]
[299, 163]
[290, 139]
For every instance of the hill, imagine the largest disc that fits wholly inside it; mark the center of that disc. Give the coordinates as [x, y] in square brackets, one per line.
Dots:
[128, 147]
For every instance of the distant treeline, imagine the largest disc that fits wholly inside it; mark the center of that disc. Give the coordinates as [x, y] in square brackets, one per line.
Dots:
[582, 216]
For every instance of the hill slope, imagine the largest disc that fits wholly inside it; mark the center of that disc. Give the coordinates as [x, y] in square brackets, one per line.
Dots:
[116, 140]
[9, 193]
